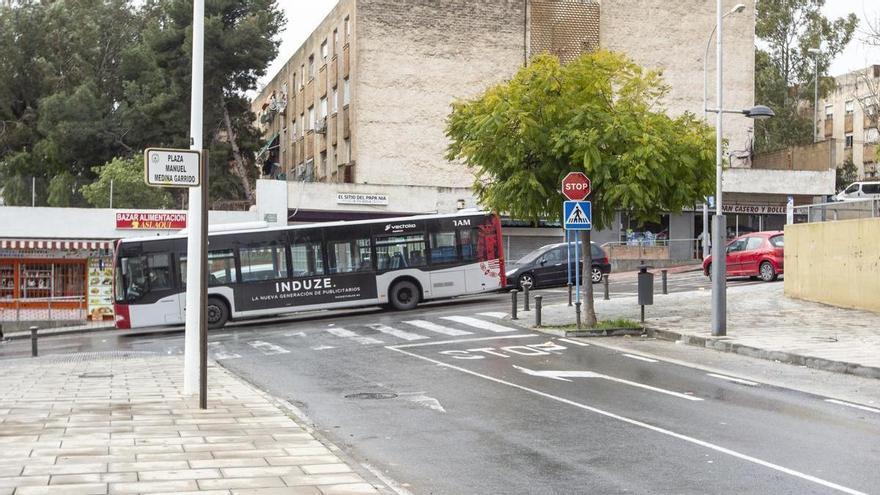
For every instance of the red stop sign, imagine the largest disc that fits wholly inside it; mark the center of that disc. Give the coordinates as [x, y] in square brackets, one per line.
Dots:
[576, 186]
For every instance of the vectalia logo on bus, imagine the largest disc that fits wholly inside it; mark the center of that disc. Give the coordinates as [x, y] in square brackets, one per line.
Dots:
[399, 226]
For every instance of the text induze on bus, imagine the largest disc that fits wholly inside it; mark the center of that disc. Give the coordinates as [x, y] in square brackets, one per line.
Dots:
[297, 285]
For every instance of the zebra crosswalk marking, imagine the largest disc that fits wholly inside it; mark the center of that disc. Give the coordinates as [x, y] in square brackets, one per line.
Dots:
[348, 334]
[478, 323]
[433, 327]
[219, 351]
[493, 314]
[395, 332]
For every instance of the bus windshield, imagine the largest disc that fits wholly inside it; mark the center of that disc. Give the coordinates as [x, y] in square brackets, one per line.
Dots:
[138, 275]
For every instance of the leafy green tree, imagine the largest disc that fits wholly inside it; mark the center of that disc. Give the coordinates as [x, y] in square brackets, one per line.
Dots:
[64, 191]
[785, 69]
[600, 114]
[845, 175]
[129, 189]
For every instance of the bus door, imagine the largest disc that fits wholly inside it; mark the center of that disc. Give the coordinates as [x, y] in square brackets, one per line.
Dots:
[447, 274]
[150, 290]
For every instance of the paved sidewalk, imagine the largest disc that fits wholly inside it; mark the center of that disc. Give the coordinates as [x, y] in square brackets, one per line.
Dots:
[117, 423]
[91, 326]
[762, 322]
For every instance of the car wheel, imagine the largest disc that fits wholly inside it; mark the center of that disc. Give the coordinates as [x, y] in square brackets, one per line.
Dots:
[596, 275]
[404, 295]
[218, 313]
[768, 273]
[526, 279]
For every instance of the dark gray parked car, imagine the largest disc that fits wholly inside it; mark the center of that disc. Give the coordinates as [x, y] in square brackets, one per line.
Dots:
[547, 267]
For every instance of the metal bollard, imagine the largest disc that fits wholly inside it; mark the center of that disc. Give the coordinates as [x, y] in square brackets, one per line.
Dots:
[526, 298]
[569, 293]
[663, 280]
[513, 304]
[34, 341]
[538, 300]
[577, 308]
[605, 284]
[1, 331]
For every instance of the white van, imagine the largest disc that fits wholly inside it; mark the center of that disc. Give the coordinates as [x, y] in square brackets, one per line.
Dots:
[859, 190]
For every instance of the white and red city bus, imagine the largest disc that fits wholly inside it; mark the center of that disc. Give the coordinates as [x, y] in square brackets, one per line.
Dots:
[396, 262]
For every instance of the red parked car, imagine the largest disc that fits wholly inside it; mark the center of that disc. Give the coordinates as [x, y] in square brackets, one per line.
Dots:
[756, 255]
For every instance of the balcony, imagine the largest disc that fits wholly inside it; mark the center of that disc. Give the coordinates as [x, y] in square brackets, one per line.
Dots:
[870, 153]
[346, 125]
[848, 123]
[829, 127]
[322, 81]
[333, 72]
[346, 61]
[801, 170]
[310, 93]
[332, 131]
[310, 145]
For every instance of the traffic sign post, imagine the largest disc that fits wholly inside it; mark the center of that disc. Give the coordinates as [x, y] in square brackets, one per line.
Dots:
[577, 215]
[576, 186]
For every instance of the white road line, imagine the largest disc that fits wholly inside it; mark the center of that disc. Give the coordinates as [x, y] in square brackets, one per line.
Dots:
[458, 341]
[478, 323]
[849, 404]
[322, 347]
[218, 351]
[493, 314]
[575, 342]
[267, 348]
[397, 333]
[641, 424]
[641, 358]
[433, 327]
[735, 380]
[565, 375]
[348, 334]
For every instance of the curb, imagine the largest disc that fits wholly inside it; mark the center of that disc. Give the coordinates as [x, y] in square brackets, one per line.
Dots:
[755, 352]
[27, 335]
[610, 332]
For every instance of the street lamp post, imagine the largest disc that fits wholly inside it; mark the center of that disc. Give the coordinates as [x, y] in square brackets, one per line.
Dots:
[815, 52]
[735, 10]
[719, 227]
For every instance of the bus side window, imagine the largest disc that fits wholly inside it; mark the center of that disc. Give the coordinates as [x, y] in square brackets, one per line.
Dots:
[443, 249]
[262, 263]
[307, 258]
[159, 268]
[349, 256]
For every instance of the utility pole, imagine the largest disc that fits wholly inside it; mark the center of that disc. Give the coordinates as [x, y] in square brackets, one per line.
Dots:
[719, 254]
[195, 317]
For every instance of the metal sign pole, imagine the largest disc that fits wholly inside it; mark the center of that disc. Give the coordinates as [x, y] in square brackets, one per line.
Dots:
[577, 271]
[195, 248]
[203, 290]
[568, 256]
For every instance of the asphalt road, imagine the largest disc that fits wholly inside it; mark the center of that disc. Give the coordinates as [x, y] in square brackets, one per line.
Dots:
[452, 399]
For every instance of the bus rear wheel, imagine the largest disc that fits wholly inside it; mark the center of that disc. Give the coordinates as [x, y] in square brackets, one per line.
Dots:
[218, 313]
[404, 295]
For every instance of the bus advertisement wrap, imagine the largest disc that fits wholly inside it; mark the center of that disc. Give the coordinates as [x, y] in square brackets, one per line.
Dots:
[305, 291]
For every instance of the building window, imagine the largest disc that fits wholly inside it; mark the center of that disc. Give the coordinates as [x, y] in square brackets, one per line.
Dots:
[849, 106]
[302, 125]
[293, 81]
[302, 81]
[334, 101]
[323, 107]
[311, 67]
[324, 51]
[325, 169]
[347, 28]
[335, 41]
[334, 160]
[346, 92]
[311, 122]
[872, 136]
[346, 150]
[849, 140]
[829, 111]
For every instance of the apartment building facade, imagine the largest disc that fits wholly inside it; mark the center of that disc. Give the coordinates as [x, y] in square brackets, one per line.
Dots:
[355, 119]
[848, 116]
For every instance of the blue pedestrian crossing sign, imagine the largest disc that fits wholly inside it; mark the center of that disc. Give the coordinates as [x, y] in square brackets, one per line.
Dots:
[577, 215]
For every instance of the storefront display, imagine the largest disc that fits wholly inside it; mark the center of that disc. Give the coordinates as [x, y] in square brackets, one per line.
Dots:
[100, 289]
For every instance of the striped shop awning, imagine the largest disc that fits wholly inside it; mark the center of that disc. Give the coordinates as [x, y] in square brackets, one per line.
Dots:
[54, 244]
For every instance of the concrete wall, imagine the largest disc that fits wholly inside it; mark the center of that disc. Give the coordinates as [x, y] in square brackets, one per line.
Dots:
[672, 36]
[816, 157]
[786, 182]
[834, 263]
[414, 59]
[401, 199]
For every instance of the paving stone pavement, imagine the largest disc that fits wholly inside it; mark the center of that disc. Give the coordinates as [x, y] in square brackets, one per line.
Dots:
[116, 423]
[759, 316]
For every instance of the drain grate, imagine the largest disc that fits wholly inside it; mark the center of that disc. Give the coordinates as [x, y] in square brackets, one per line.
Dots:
[371, 395]
[96, 375]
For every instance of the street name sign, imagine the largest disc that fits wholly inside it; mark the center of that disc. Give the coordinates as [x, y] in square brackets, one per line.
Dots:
[172, 168]
[577, 215]
[576, 186]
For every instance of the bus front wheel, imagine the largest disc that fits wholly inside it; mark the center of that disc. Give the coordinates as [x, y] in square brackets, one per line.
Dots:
[218, 313]
[404, 295]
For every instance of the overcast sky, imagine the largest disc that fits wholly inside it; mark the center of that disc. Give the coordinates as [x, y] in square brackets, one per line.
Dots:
[303, 16]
